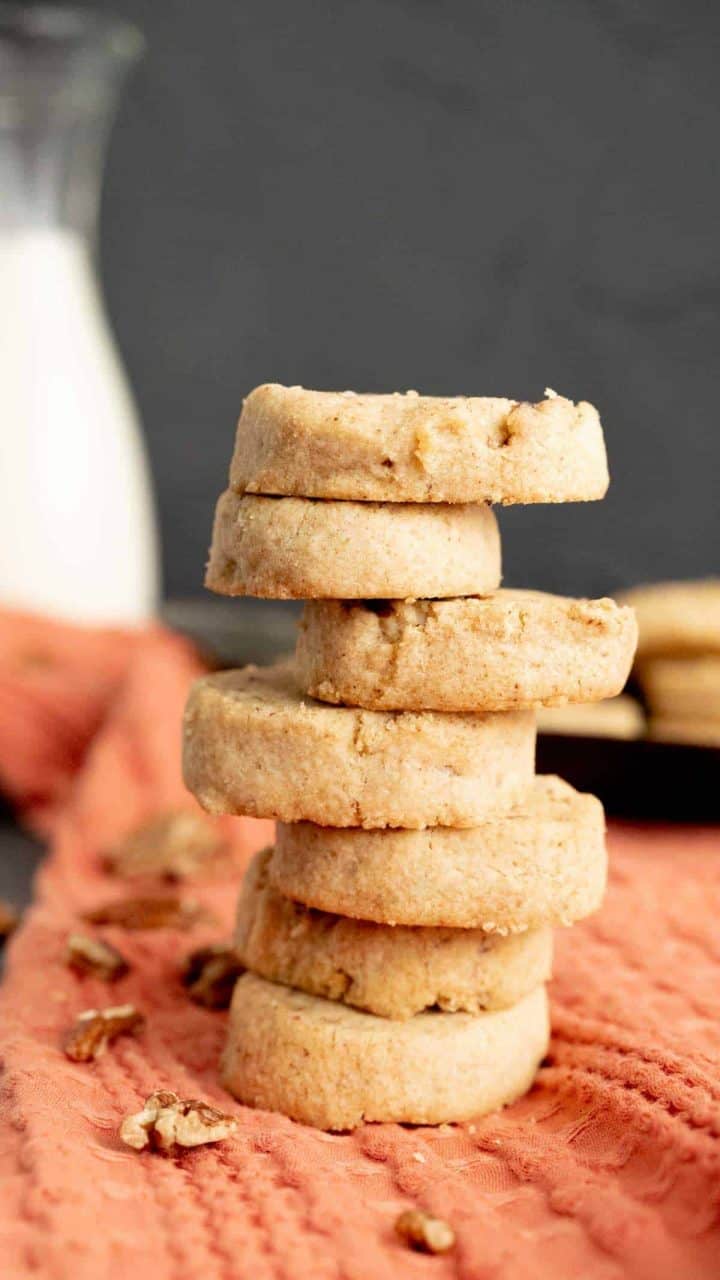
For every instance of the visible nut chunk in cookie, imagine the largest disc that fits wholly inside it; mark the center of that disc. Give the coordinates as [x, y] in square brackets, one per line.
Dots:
[94, 957]
[95, 1029]
[167, 1121]
[173, 846]
[421, 1231]
[210, 974]
[155, 912]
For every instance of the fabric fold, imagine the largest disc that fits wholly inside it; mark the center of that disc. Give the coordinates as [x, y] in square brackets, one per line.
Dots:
[609, 1168]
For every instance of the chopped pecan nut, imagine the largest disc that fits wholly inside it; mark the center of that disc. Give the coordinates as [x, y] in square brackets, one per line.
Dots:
[96, 1028]
[8, 918]
[210, 974]
[422, 1232]
[167, 1121]
[94, 957]
[155, 912]
[173, 846]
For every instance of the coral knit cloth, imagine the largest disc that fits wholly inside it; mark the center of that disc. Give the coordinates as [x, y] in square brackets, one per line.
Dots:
[609, 1168]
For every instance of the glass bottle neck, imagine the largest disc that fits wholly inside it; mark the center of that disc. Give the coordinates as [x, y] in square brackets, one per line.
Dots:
[61, 72]
[51, 176]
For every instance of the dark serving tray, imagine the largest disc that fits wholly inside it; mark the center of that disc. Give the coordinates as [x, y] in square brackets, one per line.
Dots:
[661, 781]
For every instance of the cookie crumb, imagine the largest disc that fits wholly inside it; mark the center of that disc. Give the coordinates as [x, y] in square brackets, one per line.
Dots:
[95, 1029]
[210, 974]
[424, 1233]
[167, 1121]
[94, 957]
[550, 394]
[155, 912]
[418, 1155]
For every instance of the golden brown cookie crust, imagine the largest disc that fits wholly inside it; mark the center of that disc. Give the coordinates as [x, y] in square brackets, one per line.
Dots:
[392, 972]
[412, 448]
[509, 651]
[684, 689]
[543, 863]
[330, 1066]
[676, 618]
[255, 744]
[692, 733]
[298, 548]
[620, 717]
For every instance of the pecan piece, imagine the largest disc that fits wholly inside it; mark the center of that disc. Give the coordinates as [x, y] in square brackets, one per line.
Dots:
[210, 974]
[167, 911]
[424, 1233]
[8, 918]
[96, 1028]
[167, 1121]
[94, 957]
[173, 847]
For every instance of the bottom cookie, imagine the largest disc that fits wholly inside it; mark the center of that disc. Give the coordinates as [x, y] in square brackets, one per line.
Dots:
[330, 1066]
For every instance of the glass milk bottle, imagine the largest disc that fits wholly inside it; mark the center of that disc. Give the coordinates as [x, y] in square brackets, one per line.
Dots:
[77, 527]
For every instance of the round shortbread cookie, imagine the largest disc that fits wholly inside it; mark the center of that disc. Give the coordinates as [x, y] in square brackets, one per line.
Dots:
[512, 650]
[620, 717]
[330, 1066]
[254, 744]
[693, 733]
[677, 617]
[300, 548]
[393, 972]
[682, 688]
[542, 863]
[411, 448]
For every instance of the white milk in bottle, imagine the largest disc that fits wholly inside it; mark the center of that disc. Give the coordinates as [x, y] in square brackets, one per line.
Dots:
[77, 533]
[77, 530]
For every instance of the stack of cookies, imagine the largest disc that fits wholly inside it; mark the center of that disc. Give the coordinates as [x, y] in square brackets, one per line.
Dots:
[398, 937]
[678, 659]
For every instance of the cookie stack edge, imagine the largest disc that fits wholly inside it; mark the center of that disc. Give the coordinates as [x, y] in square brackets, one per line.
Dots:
[398, 938]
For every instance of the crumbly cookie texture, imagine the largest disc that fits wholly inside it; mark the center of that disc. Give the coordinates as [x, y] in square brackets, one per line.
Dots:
[255, 744]
[684, 689]
[509, 651]
[676, 618]
[327, 1065]
[298, 548]
[620, 717]
[542, 863]
[693, 733]
[412, 448]
[392, 972]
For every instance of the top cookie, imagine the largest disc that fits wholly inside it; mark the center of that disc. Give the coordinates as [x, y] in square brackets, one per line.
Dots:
[676, 618]
[412, 448]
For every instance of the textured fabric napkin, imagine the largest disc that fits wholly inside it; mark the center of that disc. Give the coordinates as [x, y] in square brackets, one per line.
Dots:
[610, 1167]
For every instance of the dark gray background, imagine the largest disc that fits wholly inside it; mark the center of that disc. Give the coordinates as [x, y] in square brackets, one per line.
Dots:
[465, 197]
